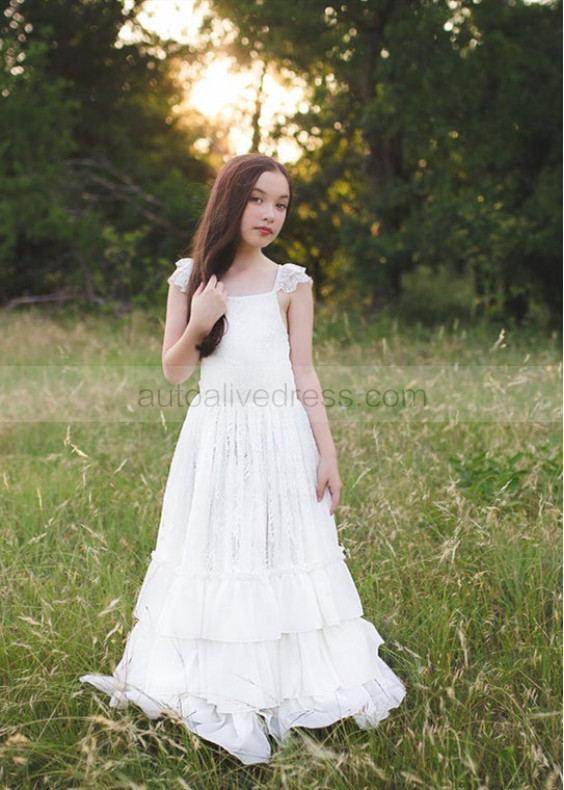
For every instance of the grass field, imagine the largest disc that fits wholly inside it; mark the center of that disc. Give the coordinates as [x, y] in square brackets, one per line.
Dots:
[452, 530]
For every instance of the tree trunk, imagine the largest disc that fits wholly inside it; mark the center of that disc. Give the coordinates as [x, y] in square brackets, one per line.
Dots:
[255, 124]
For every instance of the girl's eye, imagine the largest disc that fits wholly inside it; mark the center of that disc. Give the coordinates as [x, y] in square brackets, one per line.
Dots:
[256, 199]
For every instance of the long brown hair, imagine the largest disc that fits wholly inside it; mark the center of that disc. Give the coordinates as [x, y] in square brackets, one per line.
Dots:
[218, 234]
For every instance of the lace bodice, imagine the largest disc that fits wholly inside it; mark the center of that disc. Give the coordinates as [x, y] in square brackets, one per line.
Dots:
[252, 363]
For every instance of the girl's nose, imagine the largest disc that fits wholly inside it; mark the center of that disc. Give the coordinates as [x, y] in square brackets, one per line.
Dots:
[268, 211]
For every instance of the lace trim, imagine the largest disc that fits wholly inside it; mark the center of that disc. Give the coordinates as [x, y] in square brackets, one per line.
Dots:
[290, 275]
[182, 274]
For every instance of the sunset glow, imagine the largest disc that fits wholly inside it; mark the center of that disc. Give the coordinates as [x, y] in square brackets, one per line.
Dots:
[223, 92]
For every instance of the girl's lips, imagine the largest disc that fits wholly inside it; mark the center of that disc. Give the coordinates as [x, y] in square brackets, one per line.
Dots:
[265, 231]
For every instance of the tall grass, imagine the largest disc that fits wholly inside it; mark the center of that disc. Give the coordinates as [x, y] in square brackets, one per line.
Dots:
[452, 532]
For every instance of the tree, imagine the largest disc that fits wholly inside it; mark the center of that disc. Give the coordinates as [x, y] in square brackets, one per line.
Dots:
[418, 145]
[367, 123]
[91, 133]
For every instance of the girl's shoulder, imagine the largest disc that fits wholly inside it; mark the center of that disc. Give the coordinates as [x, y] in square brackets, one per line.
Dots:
[288, 278]
[290, 275]
[181, 275]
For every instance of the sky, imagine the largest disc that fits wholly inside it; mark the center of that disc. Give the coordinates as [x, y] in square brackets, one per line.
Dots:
[224, 88]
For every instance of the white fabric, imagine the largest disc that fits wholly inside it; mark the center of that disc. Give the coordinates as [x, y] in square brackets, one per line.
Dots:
[248, 620]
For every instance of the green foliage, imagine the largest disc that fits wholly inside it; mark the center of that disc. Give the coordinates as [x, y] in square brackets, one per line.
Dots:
[432, 142]
[31, 154]
[92, 158]
[485, 477]
[443, 119]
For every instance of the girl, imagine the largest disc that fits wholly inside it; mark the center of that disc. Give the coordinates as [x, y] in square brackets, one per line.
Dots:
[248, 622]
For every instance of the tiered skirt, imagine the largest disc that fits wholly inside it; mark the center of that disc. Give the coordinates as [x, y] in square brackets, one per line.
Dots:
[248, 622]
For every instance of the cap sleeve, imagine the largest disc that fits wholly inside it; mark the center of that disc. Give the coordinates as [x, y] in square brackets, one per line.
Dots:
[182, 274]
[290, 275]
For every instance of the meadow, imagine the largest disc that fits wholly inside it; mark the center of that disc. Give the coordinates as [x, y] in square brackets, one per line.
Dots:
[450, 518]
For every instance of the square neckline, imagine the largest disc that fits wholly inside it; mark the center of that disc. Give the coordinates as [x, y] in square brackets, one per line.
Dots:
[262, 293]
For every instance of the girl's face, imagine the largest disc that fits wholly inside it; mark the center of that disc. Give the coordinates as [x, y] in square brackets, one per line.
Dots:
[265, 212]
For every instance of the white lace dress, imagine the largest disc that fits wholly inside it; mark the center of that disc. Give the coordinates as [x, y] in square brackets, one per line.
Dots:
[248, 621]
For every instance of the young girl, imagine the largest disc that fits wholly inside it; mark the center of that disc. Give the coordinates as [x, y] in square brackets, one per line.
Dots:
[248, 622]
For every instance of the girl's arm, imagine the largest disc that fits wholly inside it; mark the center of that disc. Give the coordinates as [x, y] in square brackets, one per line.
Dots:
[180, 356]
[300, 331]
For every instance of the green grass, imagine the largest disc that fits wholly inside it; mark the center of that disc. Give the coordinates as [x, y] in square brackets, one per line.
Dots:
[452, 532]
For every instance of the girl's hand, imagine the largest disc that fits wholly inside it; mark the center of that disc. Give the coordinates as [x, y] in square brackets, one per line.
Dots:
[328, 475]
[208, 304]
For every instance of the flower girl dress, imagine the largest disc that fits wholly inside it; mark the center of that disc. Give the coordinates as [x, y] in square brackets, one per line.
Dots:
[248, 622]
